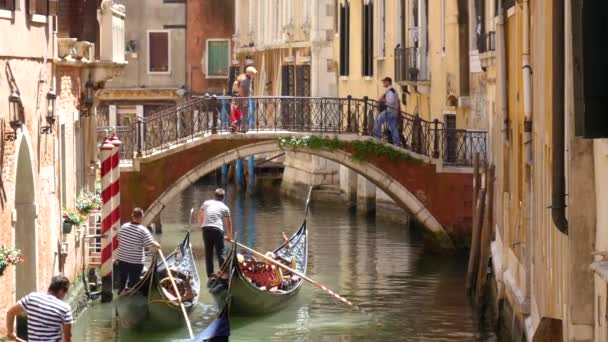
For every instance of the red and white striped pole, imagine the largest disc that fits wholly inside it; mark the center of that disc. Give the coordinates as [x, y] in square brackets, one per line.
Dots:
[106, 154]
[115, 190]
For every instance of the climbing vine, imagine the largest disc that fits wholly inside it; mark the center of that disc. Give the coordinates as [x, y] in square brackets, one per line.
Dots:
[360, 150]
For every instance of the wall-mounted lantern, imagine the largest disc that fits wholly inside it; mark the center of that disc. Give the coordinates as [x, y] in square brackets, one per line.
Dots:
[14, 114]
[89, 96]
[50, 114]
[14, 110]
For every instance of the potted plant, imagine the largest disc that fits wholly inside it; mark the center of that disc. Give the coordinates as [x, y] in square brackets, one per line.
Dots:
[9, 256]
[70, 218]
[87, 202]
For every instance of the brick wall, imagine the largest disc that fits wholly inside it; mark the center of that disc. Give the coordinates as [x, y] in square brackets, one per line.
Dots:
[209, 19]
[44, 163]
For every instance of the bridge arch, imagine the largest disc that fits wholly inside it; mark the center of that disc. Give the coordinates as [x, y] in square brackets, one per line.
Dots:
[383, 180]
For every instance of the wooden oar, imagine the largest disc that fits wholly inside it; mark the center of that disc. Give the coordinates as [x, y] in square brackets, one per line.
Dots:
[179, 298]
[301, 275]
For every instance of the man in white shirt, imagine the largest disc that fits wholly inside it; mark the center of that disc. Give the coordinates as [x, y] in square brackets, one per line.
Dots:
[49, 318]
[214, 218]
[391, 114]
[133, 239]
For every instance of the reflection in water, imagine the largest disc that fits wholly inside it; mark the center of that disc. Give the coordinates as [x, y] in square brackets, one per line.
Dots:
[382, 267]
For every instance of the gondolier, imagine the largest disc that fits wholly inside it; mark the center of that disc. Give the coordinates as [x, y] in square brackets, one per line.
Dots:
[49, 318]
[214, 218]
[133, 239]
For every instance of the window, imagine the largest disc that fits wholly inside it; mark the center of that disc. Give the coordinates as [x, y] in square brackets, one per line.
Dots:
[480, 36]
[367, 36]
[8, 5]
[344, 38]
[159, 59]
[218, 58]
[40, 7]
[381, 28]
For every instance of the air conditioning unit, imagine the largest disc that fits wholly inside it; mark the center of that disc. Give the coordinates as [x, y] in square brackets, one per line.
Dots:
[463, 101]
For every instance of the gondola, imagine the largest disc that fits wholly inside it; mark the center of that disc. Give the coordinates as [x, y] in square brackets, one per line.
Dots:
[249, 299]
[152, 298]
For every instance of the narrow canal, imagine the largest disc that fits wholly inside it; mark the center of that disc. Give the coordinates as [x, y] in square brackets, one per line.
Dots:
[410, 295]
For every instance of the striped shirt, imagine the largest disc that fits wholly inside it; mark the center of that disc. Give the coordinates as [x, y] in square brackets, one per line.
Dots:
[215, 212]
[132, 239]
[46, 315]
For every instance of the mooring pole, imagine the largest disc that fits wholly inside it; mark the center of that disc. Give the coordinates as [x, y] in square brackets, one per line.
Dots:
[239, 173]
[106, 220]
[251, 180]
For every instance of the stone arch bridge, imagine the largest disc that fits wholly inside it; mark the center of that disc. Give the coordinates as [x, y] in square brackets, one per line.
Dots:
[429, 175]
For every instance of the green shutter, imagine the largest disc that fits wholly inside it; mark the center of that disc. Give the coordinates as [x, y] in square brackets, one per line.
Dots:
[218, 58]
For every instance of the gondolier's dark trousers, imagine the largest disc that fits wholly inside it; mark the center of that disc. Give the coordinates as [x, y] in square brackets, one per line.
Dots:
[213, 239]
[129, 274]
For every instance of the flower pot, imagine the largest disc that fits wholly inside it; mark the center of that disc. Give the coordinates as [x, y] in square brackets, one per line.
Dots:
[67, 227]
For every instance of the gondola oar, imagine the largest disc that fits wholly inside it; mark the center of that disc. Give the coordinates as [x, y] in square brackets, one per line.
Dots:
[313, 282]
[179, 297]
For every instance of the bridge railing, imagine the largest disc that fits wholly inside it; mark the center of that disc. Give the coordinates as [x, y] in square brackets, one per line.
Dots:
[211, 115]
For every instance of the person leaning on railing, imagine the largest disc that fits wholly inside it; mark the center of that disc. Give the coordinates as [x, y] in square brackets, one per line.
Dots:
[390, 112]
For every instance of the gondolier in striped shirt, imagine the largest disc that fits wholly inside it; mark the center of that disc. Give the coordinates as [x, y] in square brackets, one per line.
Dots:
[133, 239]
[214, 218]
[49, 319]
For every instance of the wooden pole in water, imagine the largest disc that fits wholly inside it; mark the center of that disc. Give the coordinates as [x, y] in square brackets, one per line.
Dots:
[474, 252]
[486, 236]
[475, 241]
[179, 297]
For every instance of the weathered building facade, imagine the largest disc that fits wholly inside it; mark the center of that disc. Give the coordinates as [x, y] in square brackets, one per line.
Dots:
[533, 63]
[47, 148]
[155, 77]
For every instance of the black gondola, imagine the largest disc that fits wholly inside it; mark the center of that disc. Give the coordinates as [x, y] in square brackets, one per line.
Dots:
[246, 297]
[152, 298]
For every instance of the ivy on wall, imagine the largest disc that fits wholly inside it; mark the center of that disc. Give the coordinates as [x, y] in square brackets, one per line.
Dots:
[361, 150]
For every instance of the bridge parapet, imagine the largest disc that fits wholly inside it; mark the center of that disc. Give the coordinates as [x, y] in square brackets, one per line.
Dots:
[315, 115]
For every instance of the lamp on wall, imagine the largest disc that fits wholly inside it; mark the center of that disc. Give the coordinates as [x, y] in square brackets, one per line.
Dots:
[14, 112]
[50, 114]
[89, 96]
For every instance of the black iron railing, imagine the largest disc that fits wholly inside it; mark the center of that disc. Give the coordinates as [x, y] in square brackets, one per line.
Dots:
[411, 64]
[211, 115]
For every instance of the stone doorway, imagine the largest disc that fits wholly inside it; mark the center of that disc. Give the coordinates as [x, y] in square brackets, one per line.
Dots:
[25, 226]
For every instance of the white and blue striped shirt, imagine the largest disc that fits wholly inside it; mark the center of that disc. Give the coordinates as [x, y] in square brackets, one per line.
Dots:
[215, 212]
[132, 239]
[46, 315]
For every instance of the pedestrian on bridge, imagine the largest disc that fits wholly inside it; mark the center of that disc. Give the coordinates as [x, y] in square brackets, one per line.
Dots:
[390, 112]
[49, 318]
[133, 240]
[214, 218]
[244, 84]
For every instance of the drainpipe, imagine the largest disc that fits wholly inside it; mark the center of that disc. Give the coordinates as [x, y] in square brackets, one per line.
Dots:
[558, 196]
[527, 78]
[502, 70]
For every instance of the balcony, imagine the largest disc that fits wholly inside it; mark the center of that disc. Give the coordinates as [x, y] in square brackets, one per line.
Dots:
[111, 18]
[411, 65]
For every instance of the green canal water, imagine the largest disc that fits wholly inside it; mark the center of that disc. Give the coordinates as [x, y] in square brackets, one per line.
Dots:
[410, 295]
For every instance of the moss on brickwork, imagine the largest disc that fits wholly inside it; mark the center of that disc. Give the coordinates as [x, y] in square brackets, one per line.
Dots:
[360, 150]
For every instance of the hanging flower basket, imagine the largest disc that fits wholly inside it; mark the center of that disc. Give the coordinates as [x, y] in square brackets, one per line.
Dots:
[9, 256]
[71, 218]
[67, 227]
[87, 202]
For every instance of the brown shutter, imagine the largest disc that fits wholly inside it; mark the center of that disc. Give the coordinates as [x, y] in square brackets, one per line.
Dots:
[31, 8]
[10, 5]
[52, 5]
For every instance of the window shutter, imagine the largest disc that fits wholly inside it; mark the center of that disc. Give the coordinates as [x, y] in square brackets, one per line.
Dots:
[10, 5]
[31, 8]
[52, 6]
